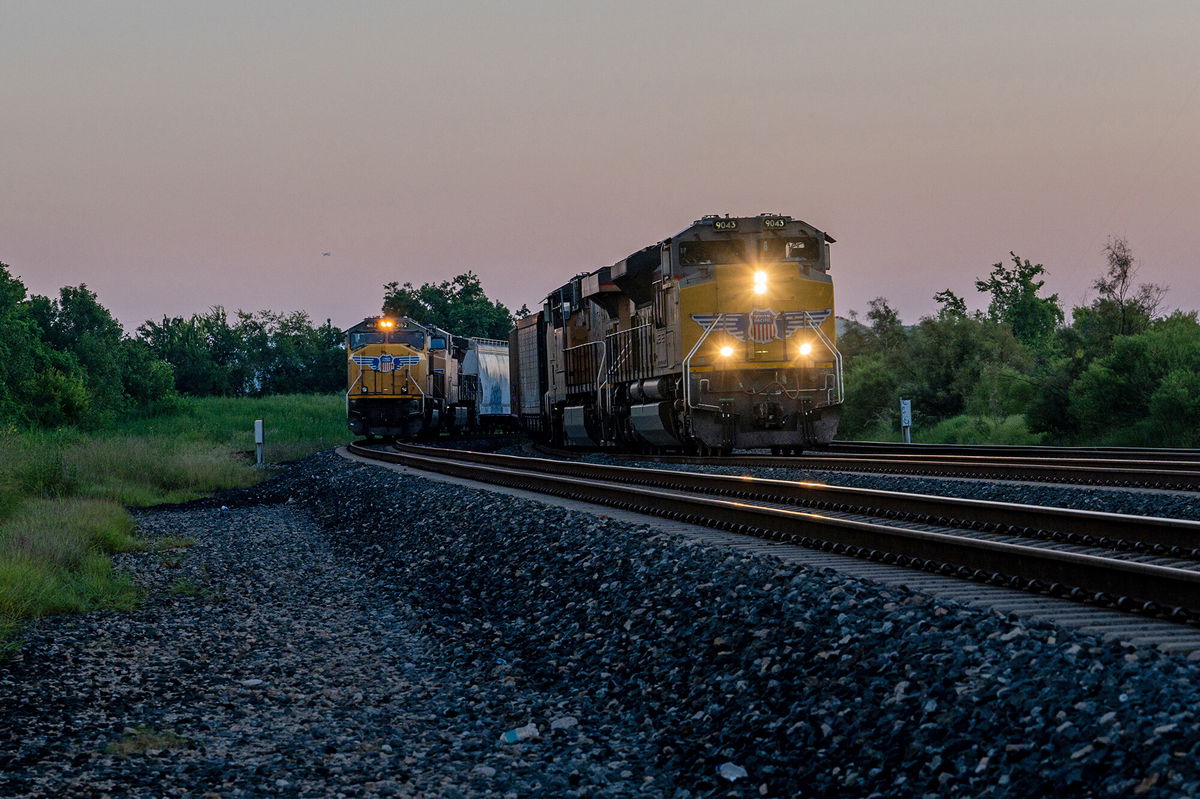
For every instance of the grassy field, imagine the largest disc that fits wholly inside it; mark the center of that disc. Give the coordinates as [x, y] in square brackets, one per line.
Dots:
[63, 494]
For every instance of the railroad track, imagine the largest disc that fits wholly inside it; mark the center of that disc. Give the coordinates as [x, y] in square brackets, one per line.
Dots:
[1013, 451]
[1179, 475]
[1143, 564]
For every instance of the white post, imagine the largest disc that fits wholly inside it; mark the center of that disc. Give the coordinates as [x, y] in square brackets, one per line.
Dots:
[906, 420]
[258, 442]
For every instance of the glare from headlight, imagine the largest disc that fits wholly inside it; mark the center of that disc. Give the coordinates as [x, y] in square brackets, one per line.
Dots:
[806, 348]
[726, 351]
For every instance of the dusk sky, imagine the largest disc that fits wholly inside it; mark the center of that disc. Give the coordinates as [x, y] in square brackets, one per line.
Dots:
[174, 156]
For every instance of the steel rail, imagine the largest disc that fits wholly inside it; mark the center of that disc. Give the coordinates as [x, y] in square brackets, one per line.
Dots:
[1177, 537]
[1181, 476]
[1024, 460]
[1123, 583]
[1011, 450]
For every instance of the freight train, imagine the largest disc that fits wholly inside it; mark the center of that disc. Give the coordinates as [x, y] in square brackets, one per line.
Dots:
[720, 337]
[407, 380]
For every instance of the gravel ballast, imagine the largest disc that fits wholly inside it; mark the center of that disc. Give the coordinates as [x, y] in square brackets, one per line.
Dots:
[345, 629]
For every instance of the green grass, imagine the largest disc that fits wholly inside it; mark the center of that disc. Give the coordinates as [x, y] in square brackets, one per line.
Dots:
[295, 425]
[62, 493]
[54, 559]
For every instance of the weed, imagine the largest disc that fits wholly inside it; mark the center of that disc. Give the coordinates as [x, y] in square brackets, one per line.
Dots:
[185, 587]
[171, 542]
[143, 740]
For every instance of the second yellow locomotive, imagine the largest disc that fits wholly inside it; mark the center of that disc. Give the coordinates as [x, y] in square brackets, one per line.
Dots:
[406, 379]
[720, 337]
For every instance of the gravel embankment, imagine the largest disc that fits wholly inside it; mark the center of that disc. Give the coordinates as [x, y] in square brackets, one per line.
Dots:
[399, 626]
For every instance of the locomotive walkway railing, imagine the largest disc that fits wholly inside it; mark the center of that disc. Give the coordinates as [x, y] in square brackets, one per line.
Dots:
[630, 354]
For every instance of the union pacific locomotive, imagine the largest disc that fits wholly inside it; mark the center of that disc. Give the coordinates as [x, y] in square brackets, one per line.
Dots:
[406, 379]
[720, 337]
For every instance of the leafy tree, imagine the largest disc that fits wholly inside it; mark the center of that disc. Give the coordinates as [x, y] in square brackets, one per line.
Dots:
[39, 385]
[458, 305]
[1120, 307]
[883, 332]
[885, 325]
[66, 361]
[1015, 301]
[119, 374]
[872, 384]
[255, 353]
[952, 305]
[1145, 391]
[77, 323]
[288, 354]
[960, 364]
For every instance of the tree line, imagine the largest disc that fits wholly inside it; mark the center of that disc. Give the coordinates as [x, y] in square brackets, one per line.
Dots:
[1121, 372]
[66, 361]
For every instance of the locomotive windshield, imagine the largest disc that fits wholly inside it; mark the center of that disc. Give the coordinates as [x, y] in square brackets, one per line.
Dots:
[413, 338]
[805, 249]
[699, 253]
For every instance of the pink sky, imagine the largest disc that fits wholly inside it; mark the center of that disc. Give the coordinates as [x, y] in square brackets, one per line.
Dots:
[176, 156]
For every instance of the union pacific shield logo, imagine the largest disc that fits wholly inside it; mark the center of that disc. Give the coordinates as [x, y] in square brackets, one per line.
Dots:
[386, 363]
[762, 326]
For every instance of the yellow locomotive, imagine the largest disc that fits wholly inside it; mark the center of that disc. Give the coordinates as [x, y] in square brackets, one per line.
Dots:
[720, 337]
[406, 379]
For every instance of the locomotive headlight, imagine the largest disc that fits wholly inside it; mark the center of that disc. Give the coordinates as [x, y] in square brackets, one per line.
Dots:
[386, 323]
[760, 282]
[806, 348]
[726, 351]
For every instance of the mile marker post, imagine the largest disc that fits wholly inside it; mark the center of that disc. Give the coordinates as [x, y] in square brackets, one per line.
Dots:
[906, 420]
[258, 442]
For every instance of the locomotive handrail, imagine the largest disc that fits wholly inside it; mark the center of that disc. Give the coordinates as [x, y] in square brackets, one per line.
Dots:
[837, 355]
[567, 368]
[408, 379]
[624, 343]
[350, 390]
[687, 368]
[601, 406]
